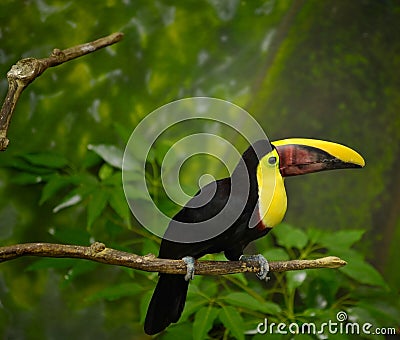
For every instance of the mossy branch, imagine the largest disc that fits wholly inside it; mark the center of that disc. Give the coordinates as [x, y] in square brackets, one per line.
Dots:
[99, 253]
[28, 69]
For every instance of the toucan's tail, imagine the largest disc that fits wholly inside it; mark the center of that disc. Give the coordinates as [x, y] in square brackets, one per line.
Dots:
[167, 303]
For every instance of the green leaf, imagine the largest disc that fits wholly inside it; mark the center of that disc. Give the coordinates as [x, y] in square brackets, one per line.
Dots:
[210, 286]
[240, 277]
[193, 304]
[245, 300]
[79, 268]
[144, 304]
[24, 166]
[233, 321]
[203, 322]
[84, 180]
[91, 159]
[97, 204]
[119, 204]
[114, 181]
[341, 239]
[321, 287]
[290, 237]
[181, 330]
[123, 131]
[86, 183]
[361, 315]
[363, 272]
[276, 254]
[69, 201]
[117, 291]
[194, 289]
[105, 171]
[109, 153]
[384, 313]
[295, 278]
[26, 178]
[46, 159]
[314, 234]
[55, 183]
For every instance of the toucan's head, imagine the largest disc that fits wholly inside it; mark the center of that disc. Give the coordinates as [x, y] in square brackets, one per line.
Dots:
[298, 156]
[291, 157]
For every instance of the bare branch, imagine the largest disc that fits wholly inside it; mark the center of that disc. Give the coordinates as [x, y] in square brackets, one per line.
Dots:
[27, 70]
[99, 253]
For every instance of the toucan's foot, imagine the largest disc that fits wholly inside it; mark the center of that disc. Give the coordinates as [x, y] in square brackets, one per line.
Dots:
[264, 266]
[189, 267]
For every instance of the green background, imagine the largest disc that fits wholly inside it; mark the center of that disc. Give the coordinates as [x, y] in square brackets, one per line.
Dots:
[316, 69]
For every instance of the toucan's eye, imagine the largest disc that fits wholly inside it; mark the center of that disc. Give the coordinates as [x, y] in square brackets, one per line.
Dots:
[272, 160]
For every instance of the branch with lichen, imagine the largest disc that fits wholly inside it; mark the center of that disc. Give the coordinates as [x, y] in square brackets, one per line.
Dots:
[98, 252]
[28, 69]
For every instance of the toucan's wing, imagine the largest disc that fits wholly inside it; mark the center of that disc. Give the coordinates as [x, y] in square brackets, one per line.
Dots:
[194, 230]
[207, 202]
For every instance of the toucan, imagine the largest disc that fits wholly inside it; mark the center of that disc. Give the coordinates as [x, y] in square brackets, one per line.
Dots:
[229, 213]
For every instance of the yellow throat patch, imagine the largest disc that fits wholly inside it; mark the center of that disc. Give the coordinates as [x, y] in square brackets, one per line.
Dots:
[272, 198]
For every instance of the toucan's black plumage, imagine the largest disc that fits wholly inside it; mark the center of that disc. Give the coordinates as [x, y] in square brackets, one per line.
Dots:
[170, 294]
[237, 196]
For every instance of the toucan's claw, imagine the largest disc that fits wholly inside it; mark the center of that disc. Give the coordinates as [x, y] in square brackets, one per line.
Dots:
[189, 267]
[264, 266]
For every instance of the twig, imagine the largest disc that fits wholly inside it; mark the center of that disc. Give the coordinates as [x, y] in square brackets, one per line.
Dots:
[99, 253]
[27, 70]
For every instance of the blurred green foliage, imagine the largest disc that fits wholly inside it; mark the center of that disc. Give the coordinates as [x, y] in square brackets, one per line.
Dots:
[323, 69]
